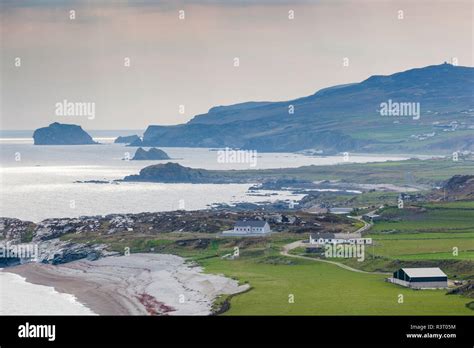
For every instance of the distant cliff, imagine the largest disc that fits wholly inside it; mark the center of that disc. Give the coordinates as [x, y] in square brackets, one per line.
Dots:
[127, 139]
[422, 110]
[62, 134]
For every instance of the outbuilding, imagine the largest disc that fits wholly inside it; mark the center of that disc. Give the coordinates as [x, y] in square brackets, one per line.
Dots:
[420, 278]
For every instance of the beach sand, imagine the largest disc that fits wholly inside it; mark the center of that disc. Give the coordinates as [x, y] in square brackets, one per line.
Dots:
[138, 284]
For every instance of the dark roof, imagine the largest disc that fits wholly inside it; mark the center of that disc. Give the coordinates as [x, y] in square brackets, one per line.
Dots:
[325, 235]
[251, 223]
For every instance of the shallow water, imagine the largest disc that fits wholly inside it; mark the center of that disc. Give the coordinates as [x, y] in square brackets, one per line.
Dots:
[18, 297]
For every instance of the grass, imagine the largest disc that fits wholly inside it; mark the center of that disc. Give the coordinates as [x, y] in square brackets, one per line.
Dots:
[318, 288]
[323, 289]
[427, 235]
[429, 231]
[412, 248]
[421, 236]
[463, 255]
[421, 172]
[426, 219]
[451, 205]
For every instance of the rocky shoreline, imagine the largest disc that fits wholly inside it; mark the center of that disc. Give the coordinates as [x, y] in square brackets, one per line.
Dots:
[63, 240]
[75, 256]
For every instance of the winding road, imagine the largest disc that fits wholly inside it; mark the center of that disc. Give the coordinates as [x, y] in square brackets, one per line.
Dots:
[288, 247]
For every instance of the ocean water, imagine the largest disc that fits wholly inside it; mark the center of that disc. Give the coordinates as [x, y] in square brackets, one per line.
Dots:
[18, 297]
[38, 182]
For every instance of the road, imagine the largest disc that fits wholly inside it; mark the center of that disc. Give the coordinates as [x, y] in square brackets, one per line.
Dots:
[288, 247]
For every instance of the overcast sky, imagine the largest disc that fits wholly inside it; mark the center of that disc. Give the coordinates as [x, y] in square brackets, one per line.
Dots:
[190, 62]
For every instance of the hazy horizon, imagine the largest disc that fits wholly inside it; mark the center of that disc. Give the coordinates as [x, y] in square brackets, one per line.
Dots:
[190, 62]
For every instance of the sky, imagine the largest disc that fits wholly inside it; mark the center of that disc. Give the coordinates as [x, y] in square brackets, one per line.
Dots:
[179, 67]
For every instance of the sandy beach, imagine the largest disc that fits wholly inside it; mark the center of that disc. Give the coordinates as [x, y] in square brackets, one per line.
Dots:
[138, 284]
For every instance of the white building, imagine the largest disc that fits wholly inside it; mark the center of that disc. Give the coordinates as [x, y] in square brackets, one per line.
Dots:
[420, 278]
[251, 227]
[338, 238]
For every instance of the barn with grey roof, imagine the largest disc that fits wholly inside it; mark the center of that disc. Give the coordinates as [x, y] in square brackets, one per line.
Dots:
[420, 278]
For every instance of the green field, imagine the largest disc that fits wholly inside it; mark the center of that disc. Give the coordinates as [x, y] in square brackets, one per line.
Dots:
[421, 172]
[318, 288]
[432, 231]
[418, 236]
[323, 289]
[406, 248]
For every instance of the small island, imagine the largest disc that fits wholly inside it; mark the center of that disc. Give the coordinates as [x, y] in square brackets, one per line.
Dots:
[175, 173]
[127, 139]
[150, 155]
[62, 134]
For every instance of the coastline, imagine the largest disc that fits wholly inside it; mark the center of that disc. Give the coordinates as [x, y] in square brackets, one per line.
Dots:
[20, 297]
[138, 284]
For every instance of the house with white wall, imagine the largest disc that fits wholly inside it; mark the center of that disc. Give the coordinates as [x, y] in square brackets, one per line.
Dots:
[338, 238]
[251, 227]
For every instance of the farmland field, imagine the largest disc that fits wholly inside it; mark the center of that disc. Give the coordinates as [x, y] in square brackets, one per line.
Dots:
[418, 236]
[432, 231]
[324, 289]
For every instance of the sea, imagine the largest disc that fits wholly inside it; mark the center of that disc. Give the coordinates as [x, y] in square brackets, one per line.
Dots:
[18, 297]
[39, 182]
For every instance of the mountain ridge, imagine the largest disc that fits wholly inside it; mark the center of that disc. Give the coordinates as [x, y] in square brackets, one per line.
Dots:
[341, 118]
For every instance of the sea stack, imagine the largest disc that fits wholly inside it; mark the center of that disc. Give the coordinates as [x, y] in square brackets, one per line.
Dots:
[62, 134]
[152, 154]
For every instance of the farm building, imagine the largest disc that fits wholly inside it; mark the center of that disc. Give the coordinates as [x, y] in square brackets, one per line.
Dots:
[338, 238]
[251, 227]
[420, 278]
[371, 217]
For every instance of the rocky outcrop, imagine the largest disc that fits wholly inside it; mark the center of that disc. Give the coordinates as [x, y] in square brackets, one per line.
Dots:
[62, 134]
[62, 240]
[136, 142]
[16, 230]
[150, 155]
[127, 139]
[55, 251]
[175, 173]
[459, 187]
[466, 289]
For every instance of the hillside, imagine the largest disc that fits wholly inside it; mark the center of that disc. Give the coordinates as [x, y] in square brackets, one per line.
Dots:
[459, 187]
[344, 118]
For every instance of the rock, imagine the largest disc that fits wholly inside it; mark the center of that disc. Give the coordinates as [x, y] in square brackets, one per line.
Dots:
[458, 187]
[127, 139]
[62, 134]
[55, 251]
[175, 173]
[16, 230]
[152, 154]
[136, 142]
[92, 182]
